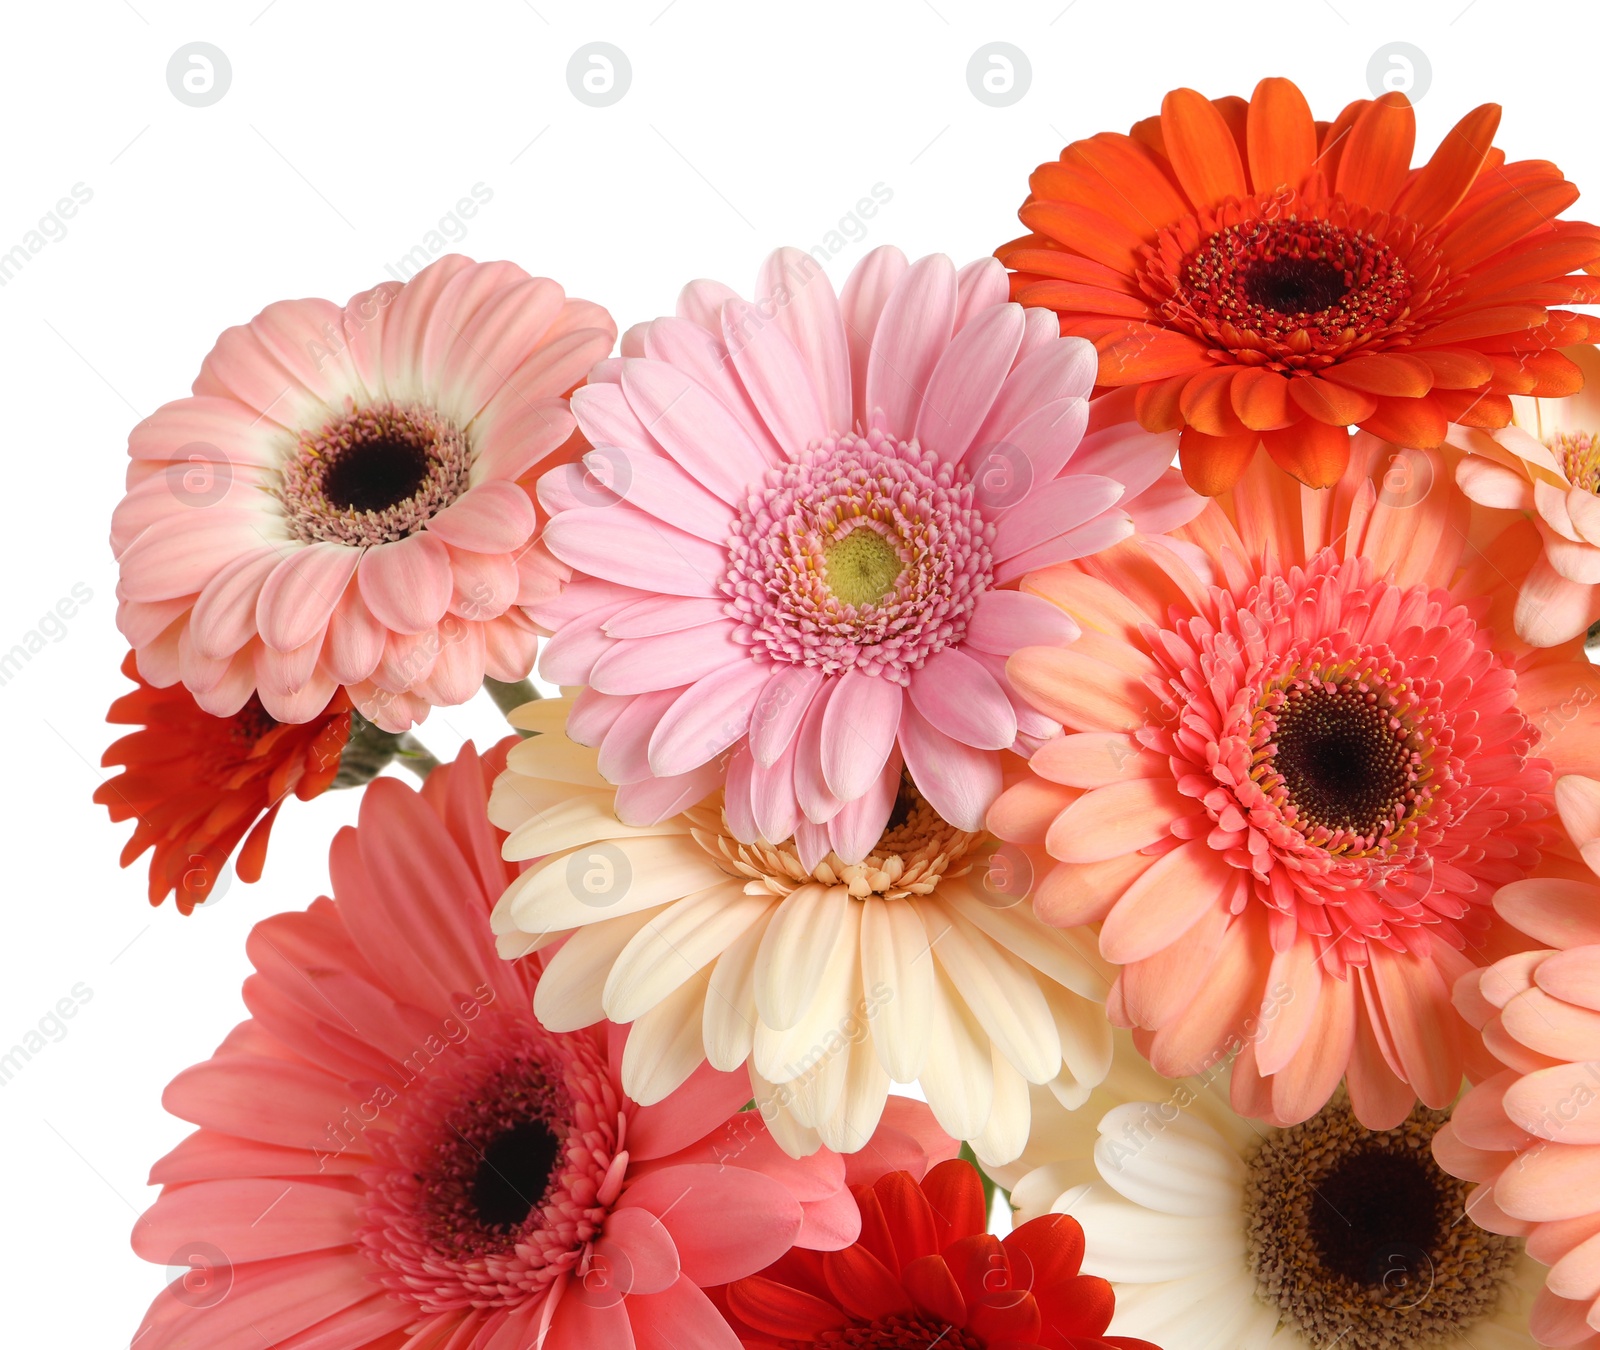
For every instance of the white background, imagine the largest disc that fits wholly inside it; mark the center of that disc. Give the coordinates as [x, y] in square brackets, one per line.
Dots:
[347, 131]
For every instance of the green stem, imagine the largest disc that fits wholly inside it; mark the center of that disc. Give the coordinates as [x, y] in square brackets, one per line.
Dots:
[509, 697]
[370, 749]
[414, 755]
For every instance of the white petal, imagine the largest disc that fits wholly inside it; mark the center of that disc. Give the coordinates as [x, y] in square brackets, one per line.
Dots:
[730, 1015]
[607, 880]
[664, 1045]
[897, 972]
[1161, 1157]
[959, 1079]
[1006, 1134]
[676, 944]
[795, 952]
[568, 995]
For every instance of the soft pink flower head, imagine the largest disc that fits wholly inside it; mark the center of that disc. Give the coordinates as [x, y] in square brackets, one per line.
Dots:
[1531, 1132]
[1304, 749]
[394, 1152]
[1547, 463]
[337, 504]
[796, 548]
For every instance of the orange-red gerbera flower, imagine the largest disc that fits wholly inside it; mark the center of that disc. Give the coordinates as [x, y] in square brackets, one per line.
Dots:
[1264, 277]
[196, 783]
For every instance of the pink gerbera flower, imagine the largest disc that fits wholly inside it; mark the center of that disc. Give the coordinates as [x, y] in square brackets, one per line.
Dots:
[1531, 1132]
[796, 551]
[394, 1152]
[1305, 747]
[337, 504]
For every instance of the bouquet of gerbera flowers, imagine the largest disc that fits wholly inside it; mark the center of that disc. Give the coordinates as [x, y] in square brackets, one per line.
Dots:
[1107, 725]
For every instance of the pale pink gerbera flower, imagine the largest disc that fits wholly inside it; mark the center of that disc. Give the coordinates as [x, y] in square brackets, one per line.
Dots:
[1305, 749]
[1531, 1132]
[802, 576]
[1547, 463]
[336, 503]
[394, 1152]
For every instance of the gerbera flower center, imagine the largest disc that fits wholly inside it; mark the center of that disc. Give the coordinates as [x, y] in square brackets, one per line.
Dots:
[504, 1157]
[1353, 1234]
[1346, 764]
[900, 1333]
[251, 723]
[865, 553]
[916, 850]
[1293, 285]
[373, 476]
[1579, 456]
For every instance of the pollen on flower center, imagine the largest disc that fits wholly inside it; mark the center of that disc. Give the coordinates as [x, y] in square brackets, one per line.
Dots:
[1579, 456]
[862, 567]
[373, 476]
[1353, 1234]
[864, 553]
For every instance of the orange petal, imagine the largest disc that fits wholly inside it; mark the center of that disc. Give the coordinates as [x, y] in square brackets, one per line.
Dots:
[1140, 351]
[1555, 376]
[1281, 135]
[1492, 322]
[1087, 231]
[1068, 297]
[1383, 373]
[1136, 173]
[1064, 266]
[1418, 422]
[1472, 409]
[1213, 464]
[1334, 139]
[1261, 399]
[1156, 404]
[1456, 367]
[1311, 451]
[1205, 403]
[1236, 113]
[1377, 156]
[1330, 403]
[1440, 185]
[1503, 220]
[1200, 144]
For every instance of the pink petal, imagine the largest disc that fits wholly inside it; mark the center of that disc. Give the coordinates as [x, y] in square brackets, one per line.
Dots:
[1051, 510]
[964, 384]
[407, 584]
[625, 750]
[658, 614]
[457, 672]
[658, 487]
[664, 662]
[817, 802]
[626, 546]
[179, 555]
[1165, 505]
[302, 592]
[694, 428]
[867, 290]
[773, 802]
[1061, 371]
[1007, 468]
[512, 440]
[1109, 528]
[493, 517]
[704, 358]
[701, 302]
[482, 585]
[697, 1110]
[858, 732]
[658, 799]
[964, 701]
[1550, 608]
[585, 1319]
[635, 1255]
[912, 334]
[980, 285]
[727, 1222]
[1124, 817]
[224, 617]
[251, 1218]
[780, 709]
[1164, 902]
[795, 287]
[774, 375]
[1003, 621]
[960, 782]
[862, 819]
[707, 718]
[569, 657]
[1127, 452]
[680, 1318]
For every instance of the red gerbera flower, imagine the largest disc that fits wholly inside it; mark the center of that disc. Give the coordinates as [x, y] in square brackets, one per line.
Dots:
[1264, 277]
[196, 783]
[927, 1273]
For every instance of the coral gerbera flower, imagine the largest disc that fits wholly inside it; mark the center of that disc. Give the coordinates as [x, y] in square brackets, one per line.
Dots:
[1216, 1233]
[394, 1152]
[795, 559]
[1529, 1132]
[337, 504]
[1264, 277]
[926, 1272]
[1547, 463]
[830, 979]
[195, 784]
[1305, 747]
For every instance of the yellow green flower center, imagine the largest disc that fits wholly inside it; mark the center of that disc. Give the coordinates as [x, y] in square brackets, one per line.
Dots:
[862, 567]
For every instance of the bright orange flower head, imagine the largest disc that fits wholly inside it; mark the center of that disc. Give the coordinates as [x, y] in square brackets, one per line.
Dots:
[196, 783]
[1262, 277]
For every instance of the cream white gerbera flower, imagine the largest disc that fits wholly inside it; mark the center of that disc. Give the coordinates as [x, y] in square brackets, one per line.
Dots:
[918, 964]
[1220, 1233]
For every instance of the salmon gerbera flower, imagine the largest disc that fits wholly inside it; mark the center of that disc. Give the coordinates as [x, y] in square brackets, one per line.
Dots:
[795, 556]
[1304, 748]
[196, 784]
[337, 502]
[394, 1153]
[1262, 277]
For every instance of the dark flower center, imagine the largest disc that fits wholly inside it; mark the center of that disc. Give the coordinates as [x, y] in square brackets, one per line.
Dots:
[251, 722]
[1376, 1214]
[375, 475]
[514, 1174]
[1294, 285]
[1345, 762]
[899, 1333]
